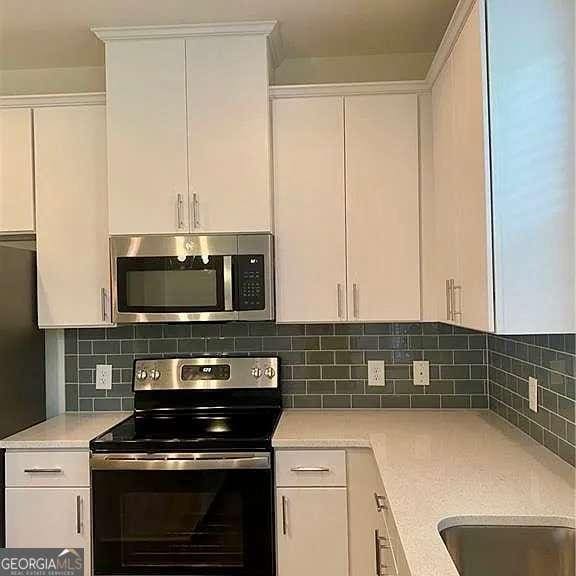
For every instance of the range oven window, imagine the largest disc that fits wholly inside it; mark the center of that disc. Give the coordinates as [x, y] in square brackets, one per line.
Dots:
[212, 522]
[171, 284]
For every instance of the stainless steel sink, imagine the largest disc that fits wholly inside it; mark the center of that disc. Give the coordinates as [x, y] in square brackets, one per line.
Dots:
[511, 550]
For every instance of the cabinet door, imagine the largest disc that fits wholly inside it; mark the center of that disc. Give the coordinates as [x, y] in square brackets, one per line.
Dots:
[474, 298]
[312, 529]
[382, 208]
[16, 171]
[309, 210]
[228, 134]
[147, 138]
[49, 518]
[446, 213]
[71, 216]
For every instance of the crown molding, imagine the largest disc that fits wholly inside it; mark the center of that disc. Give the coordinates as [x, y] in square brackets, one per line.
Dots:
[41, 100]
[457, 22]
[264, 27]
[349, 89]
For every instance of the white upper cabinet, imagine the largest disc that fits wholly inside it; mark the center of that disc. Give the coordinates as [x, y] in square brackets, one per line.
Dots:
[346, 208]
[462, 286]
[504, 172]
[147, 137]
[188, 128]
[474, 285]
[16, 171]
[382, 207]
[228, 134]
[309, 199]
[71, 216]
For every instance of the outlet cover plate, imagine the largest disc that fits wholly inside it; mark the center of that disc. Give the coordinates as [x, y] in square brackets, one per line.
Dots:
[421, 369]
[376, 373]
[533, 394]
[103, 377]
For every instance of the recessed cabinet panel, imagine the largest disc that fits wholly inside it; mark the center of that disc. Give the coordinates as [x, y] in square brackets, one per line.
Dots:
[470, 157]
[309, 198]
[382, 207]
[147, 136]
[16, 171]
[446, 213]
[71, 216]
[49, 518]
[228, 134]
[312, 531]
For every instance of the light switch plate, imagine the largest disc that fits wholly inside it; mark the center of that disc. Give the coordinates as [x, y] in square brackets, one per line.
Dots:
[421, 369]
[376, 373]
[103, 377]
[533, 394]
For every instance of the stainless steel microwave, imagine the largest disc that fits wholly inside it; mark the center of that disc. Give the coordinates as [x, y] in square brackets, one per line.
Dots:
[192, 278]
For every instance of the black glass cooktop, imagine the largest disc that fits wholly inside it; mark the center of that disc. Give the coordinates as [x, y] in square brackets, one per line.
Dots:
[195, 432]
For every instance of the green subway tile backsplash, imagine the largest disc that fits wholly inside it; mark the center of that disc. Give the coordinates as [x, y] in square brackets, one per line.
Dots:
[551, 359]
[325, 366]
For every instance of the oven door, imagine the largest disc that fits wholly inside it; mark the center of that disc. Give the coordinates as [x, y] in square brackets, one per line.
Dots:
[170, 279]
[203, 514]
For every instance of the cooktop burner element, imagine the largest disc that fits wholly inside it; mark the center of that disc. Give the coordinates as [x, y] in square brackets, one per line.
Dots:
[199, 404]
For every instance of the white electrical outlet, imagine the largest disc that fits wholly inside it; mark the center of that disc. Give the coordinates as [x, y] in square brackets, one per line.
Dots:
[533, 394]
[421, 369]
[376, 375]
[103, 377]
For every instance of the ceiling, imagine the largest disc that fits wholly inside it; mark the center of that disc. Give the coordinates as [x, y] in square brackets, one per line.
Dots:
[55, 33]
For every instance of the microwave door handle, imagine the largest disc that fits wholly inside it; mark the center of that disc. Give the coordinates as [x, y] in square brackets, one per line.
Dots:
[228, 284]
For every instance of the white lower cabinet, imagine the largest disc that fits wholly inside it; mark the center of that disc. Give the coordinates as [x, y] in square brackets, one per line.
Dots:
[43, 509]
[344, 530]
[312, 528]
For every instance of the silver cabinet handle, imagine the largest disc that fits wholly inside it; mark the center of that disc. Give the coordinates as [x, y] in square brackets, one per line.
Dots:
[43, 470]
[339, 296]
[196, 210]
[104, 303]
[356, 300]
[378, 553]
[284, 515]
[310, 469]
[79, 506]
[449, 300]
[179, 206]
[382, 543]
[456, 310]
[380, 502]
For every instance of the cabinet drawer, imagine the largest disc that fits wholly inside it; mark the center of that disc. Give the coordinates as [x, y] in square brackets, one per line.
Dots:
[30, 468]
[311, 468]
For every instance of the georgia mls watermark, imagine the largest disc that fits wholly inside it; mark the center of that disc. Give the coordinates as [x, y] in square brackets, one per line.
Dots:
[41, 561]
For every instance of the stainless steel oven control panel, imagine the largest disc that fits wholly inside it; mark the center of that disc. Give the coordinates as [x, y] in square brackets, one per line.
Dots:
[205, 373]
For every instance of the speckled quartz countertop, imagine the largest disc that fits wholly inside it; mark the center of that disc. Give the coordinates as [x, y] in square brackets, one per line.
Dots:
[444, 468]
[70, 430]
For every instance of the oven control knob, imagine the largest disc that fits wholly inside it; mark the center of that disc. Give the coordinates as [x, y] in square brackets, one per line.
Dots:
[256, 372]
[154, 374]
[270, 372]
[141, 375]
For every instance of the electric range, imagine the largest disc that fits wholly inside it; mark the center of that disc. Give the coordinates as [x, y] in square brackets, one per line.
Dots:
[185, 485]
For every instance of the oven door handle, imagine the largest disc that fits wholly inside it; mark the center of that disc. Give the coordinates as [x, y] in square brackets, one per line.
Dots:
[176, 462]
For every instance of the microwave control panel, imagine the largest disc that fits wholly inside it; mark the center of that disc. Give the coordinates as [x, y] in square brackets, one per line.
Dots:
[250, 282]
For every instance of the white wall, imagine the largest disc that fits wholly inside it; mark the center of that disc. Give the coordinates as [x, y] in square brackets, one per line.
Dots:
[380, 67]
[52, 81]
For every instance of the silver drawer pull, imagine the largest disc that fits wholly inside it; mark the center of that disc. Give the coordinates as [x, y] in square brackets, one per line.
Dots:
[43, 470]
[310, 469]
